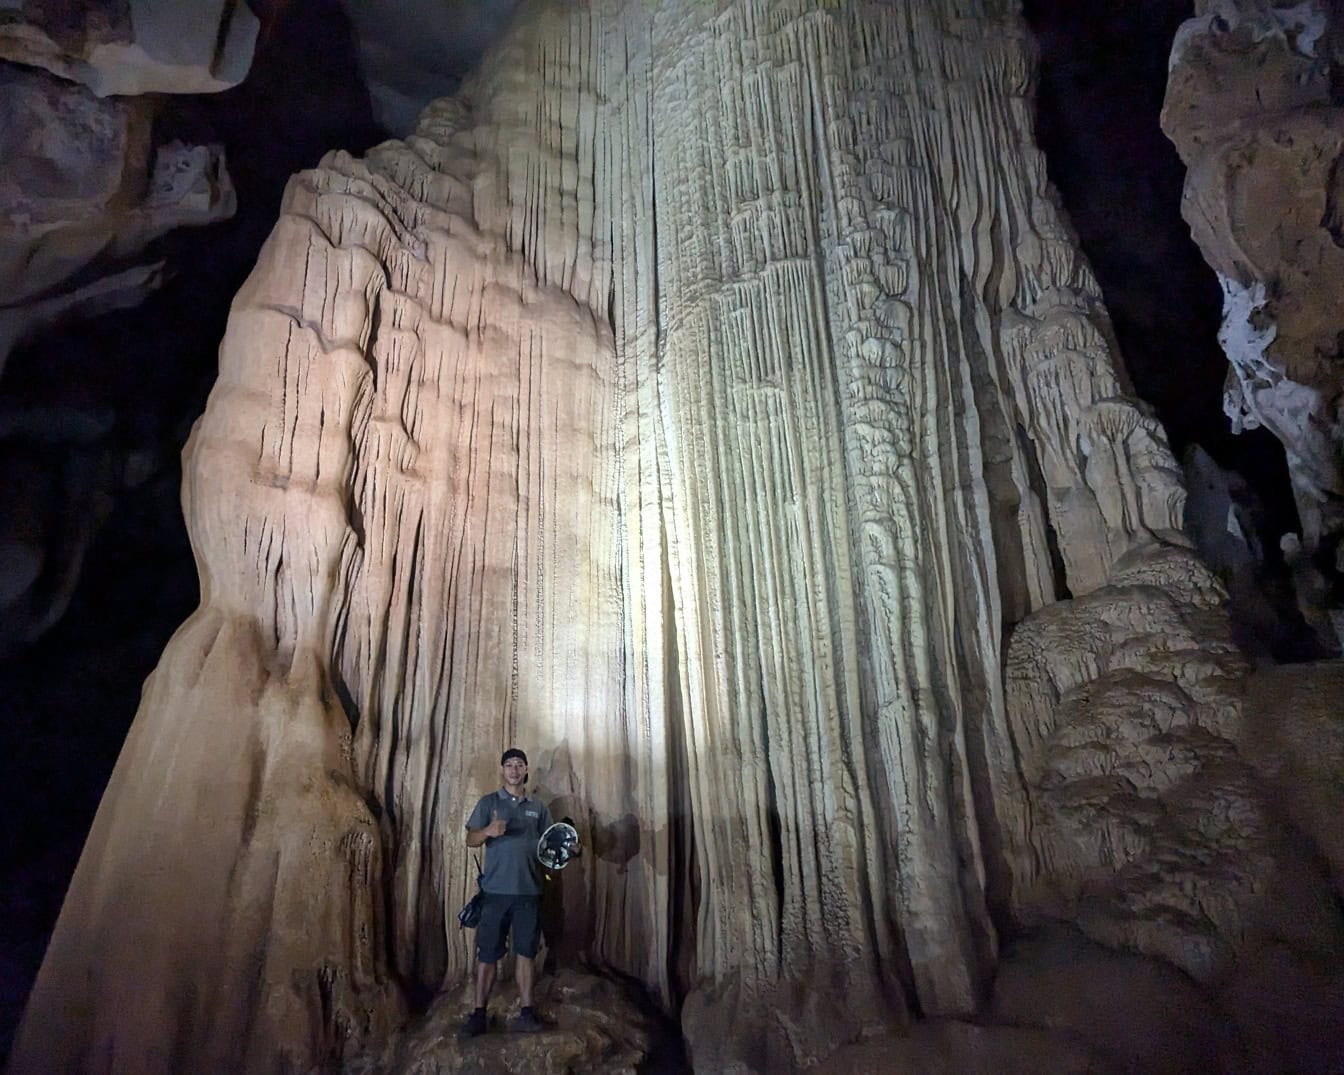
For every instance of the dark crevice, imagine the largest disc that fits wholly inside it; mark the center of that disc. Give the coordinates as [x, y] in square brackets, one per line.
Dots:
[1333, 218]
[1058, 573]
[1101, 85]
[774, 828]
[684, 879]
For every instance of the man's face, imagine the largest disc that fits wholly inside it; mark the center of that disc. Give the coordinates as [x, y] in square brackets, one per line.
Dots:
[515, 772]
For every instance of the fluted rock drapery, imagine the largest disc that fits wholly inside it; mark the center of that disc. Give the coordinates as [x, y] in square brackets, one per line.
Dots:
[694, 400]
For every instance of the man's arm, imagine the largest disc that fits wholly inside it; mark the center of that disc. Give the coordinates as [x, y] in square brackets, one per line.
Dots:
[496, 827]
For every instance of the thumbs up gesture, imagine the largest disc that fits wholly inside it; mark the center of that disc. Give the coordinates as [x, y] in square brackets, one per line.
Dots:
[497, 827]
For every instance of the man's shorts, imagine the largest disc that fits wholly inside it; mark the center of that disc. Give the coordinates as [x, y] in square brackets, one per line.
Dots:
[499, 914]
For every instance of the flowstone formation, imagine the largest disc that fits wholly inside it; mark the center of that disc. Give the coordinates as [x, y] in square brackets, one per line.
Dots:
[700, 399]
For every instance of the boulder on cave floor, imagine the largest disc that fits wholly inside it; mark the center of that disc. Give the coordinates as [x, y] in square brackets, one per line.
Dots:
[1139, 1015]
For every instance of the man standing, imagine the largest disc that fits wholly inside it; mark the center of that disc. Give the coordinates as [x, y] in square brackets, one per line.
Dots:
[509, 824]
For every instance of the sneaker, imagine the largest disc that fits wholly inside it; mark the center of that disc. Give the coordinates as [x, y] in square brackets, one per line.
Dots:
[526, 1022]
[476, 1024]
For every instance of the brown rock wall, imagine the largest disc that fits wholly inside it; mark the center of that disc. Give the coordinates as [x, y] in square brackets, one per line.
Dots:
[1252, 105]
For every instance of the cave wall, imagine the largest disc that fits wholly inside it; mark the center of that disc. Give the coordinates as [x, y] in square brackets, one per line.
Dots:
[698, 399]
[1254, 107]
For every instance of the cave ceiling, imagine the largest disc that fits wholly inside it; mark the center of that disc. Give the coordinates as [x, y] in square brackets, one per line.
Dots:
[413, 51]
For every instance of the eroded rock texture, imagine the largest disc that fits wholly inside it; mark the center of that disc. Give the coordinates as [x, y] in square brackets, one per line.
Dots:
[697, 399]
[84, 191]
[130, 47]
[1253, 107]
[591, 1026]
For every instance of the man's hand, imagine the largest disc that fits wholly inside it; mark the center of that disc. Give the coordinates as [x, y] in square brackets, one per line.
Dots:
[497, 827]
[577, 849]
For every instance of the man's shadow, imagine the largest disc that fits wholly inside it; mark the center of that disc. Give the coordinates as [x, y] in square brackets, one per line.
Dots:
[566, 902]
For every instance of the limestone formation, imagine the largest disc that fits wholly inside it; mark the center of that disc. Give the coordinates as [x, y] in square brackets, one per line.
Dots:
[699, 400]
[132, 47]
[1140, 821]
[1252, 105]
[85, 190]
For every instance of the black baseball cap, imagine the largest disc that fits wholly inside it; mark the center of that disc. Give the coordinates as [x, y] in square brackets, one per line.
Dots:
[513, 752]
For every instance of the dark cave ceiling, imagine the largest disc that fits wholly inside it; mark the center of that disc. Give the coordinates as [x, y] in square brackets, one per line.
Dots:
[412, 51]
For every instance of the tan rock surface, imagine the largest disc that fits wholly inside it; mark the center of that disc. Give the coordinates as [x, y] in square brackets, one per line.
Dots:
[1253, 111]
[83, 191]
[1120, 703]
[696, 400]
[130, 47]
[1130, 809]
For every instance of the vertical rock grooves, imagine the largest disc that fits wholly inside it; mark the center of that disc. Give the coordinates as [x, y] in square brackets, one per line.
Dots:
[650, 407]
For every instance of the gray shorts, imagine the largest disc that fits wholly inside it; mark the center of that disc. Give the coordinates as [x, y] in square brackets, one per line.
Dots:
[499, 915]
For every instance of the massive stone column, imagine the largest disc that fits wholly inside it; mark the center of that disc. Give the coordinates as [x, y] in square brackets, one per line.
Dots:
[696, 400]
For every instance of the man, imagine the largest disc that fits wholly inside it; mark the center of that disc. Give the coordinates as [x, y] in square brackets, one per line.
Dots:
[508, 824]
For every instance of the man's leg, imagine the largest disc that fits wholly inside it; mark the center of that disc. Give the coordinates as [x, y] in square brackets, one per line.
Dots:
[526, 939]
[485, 982]
[525, 969]
[489, 948]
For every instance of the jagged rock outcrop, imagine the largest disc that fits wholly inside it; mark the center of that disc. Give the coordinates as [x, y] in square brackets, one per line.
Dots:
[1140, 820]
[698, 399]
[83, 192]
[1252, 106]
[132, 47]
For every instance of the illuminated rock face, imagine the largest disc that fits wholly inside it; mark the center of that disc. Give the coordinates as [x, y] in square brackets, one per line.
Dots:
[695, 401]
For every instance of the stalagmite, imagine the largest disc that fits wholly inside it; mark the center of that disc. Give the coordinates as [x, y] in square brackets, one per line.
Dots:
[697, 400]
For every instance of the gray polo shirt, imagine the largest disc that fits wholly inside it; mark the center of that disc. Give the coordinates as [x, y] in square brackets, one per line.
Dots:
[511, 866]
